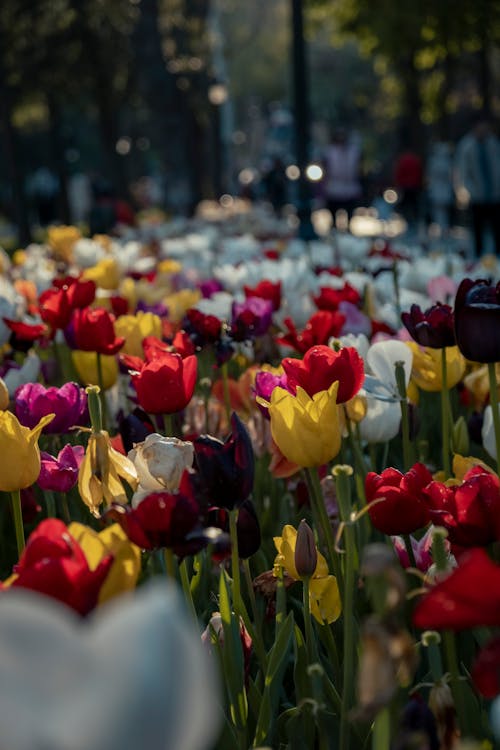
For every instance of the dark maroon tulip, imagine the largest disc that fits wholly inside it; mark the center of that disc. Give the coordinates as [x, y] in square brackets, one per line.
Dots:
[163, 519]
[433, 328]
[247, 531]
[226, 468]
[477, 320]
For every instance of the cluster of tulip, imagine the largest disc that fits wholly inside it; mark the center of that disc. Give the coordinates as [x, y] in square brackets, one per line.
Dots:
[156, 423]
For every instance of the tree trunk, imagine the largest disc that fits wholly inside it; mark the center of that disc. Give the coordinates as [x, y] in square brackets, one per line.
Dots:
[20, 212]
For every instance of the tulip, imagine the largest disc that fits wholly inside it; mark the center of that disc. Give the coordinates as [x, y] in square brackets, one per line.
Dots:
[381, 421]
[395, 501]
[160, 462]
[112, 541]
[163, 519]
[68, 403]
[324, 597]
[86, 367]
[134, 428]
[55, 308]
[60, 474]
[135, 328]
[433, 328]
[19, 451]
[426, 371]
[165, 385]
[323, 366]
[62, 239]
[265, 382]
[53, 563]
[23, 335]
[470, 511]
[102, 468]
[250, 318]
[306, 554]
[94, 331]
[318, 330]
[330, 299]
[266, 289]
[467, 598]
[422, 550]
[4, 395]
[315, 420]
[105, 274]
[486, 669]
[226, 468]
[477, 320]
[203, 329]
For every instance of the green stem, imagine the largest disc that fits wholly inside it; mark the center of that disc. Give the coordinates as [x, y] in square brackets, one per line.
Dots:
[494, 407]
[307, 622]
[455, 681]
[102, 394]
[170, 563]
[405, 418]
[319, 510]
[18, 520]
[225, 388]
[445, 416]
[65, 508]
[168, 425]
[343, 487]
[381, 737]
[235, 559]
[280, 602]
[186, 587]
[50, 504]
[251, 594]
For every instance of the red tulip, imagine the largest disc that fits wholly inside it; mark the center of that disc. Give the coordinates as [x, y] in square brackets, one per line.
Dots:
[486, 669]
[95, 332]
[322, 366]
[266, 289]
[54, 564]
[330, 299]
[468, 598]
[55, 308]
[165, 384]
[25, 332]
[81, 292]
[401, 507]
[320, 328]
[163, 519]
[470, 511]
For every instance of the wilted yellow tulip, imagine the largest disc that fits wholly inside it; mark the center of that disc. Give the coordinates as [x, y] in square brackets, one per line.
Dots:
[324, 596]
[86, 366]
[106, 274]
[113, 541]
[135, 328]
[20, 455]
[426, 369]
[101, 472]
[61, 239]
[307, 430]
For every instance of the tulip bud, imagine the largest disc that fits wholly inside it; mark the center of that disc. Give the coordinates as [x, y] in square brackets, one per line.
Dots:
[460, 437]
[306, 555]
[442, 706]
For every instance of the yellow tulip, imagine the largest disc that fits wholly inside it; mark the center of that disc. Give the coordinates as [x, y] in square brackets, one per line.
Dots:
[179, 303]
[20, 464]
[128, 290]
[426, 370]
[356, 408]
[112, 540]
[307, 430]
[101, 472]
[4, 395]
[169, 266]
[106, 274]
[61, 240]
[324, 596]
[135, 328]
[478, 383]
[86, 366]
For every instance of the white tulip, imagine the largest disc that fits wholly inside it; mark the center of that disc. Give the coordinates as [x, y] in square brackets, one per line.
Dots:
[134, 675]
[160, 462]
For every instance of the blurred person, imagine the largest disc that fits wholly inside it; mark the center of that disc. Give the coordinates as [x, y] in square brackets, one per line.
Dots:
[275, 184]
[478, 179]
[342, 170]
[43, 187]
[408, 180]
[79, 196]
[440, 193]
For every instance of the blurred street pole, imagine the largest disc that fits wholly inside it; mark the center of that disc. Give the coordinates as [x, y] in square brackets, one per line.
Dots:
[301, 120]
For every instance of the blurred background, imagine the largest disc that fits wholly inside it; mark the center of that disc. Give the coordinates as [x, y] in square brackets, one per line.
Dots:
[164, 103]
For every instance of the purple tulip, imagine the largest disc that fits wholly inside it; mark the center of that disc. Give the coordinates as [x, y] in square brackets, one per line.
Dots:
[251, 318]
[60, 474]
[265, 383]
[69, 403]
[209, 287]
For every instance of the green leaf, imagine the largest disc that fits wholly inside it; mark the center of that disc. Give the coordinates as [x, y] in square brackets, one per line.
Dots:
[274, 677]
